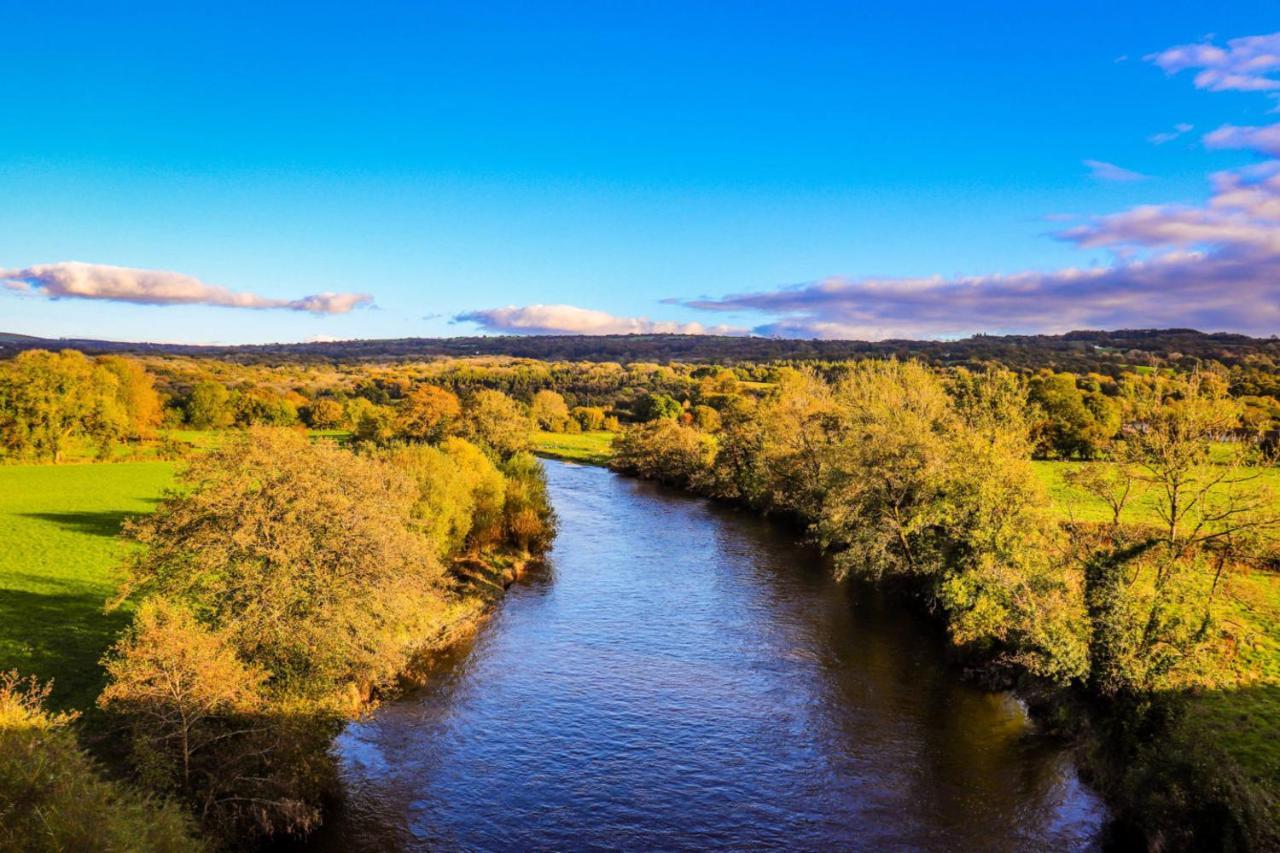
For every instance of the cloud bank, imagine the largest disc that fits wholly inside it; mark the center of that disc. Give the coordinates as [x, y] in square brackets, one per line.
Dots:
[1215, 266]
[571, 320]
[75, 280]
[1245, 65]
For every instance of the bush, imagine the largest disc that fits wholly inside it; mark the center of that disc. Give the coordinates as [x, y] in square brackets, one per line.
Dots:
[52, 796]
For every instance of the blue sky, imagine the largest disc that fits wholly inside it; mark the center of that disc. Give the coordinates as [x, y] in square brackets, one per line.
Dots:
[785, 168]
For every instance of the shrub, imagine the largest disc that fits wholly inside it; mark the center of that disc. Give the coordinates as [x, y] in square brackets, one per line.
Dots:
[52, 796]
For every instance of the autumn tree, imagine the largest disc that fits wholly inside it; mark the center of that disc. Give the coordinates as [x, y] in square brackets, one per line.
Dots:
[52, 796]
[175, 679]
[136, 394]
[428, 414]
[589, 418]
[325, 413]
[549, 410]
[527, 513]
[461, 494]
[668, 451]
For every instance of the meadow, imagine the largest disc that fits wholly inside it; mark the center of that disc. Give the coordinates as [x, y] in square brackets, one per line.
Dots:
[59, 552]
[589, 448]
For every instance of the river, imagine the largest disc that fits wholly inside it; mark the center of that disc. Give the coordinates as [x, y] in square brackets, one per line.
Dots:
[680, 675]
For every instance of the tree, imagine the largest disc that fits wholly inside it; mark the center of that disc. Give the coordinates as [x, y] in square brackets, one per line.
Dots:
[549, 411]
[302, 553]
[259, 406]
[590, 418]
[527, 513]
[49, 399]
[175, 679]
[655, 406]
[325, 413]
[136, 394]
[209, 406]
[496, 421]
[667, 451]
[1075, 423]
[1151, 594]
[428, 414]
[375, 425]
[460, 494]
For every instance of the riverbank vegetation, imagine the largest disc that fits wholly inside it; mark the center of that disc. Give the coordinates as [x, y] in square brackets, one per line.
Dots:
[1107, 540]
[1155, 609]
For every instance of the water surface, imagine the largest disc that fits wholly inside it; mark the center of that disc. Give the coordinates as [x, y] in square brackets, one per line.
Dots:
[683, 676]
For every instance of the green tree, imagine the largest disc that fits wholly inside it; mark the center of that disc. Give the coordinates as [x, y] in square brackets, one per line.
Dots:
[302, 553]
[47, 400]
[652, 407]
[496, 421]
[208, 406]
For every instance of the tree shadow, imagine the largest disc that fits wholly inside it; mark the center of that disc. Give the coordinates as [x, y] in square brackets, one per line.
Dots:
[98, 523]
[61, 636]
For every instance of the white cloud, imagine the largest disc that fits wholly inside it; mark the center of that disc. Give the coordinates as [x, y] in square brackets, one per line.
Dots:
[76, 280]
[1103, 171]
[1245, 65]
[1263, 140]
[571, 320]
[1179, 129]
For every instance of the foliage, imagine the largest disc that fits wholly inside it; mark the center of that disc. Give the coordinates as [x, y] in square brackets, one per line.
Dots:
[666, 450]
[200, 727]
[48, 399]
[52, 796]
[208, 406]
[460, 497]
[528, 518]
[549, 411]
[428, 414]
[496, 421]
[301, 552]
[654, 407]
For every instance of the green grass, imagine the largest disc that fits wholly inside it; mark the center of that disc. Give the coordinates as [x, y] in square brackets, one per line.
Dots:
[589, 448]
[59, 554]
[1072, 503]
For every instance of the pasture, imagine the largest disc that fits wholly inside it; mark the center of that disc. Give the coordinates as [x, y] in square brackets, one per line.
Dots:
[589, 448]
[59, 552]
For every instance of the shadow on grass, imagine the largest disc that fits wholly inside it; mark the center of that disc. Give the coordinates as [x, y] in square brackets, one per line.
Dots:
[102, 523]
[60, 636]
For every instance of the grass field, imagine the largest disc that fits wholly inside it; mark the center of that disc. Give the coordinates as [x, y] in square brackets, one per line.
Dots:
[58, 554]
[589, 448]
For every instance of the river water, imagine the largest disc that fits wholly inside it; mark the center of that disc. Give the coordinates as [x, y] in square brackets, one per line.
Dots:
[683, 676]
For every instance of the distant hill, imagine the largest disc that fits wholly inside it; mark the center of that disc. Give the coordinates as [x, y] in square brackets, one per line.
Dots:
[1105, 352]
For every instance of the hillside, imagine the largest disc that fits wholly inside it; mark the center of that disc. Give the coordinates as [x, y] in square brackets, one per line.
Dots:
[1080, 351]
